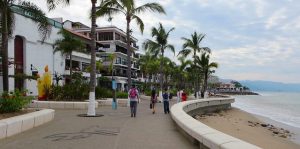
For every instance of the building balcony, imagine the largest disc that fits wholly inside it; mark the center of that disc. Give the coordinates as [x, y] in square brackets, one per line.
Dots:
[84, 73]
[119, 75]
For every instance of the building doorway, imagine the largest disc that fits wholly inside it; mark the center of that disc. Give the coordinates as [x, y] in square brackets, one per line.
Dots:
[19, 62]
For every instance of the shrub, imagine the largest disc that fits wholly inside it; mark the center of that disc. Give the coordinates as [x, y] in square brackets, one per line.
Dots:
[122, 95]
[14, 102]
[77, 90]
[148, 92]
[103, 92]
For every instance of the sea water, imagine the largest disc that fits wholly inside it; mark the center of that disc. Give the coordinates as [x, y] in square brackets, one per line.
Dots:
[282, 107]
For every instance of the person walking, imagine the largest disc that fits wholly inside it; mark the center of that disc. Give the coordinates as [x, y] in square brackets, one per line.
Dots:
[166, 102]
[133, 96]
[153, 100]
[178, 96]
[183, 96]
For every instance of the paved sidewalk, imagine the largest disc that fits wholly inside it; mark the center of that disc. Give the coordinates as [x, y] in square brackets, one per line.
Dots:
[115, 130]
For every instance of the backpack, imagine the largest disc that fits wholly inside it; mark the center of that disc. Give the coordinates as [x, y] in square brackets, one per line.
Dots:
[165, 95]
[132, 93]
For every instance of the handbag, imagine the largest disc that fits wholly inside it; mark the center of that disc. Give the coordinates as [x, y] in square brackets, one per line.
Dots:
[150, 105]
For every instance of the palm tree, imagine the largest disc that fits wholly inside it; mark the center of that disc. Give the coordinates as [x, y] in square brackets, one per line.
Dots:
[111, 58]
[67, 45]
[131, 12]
[205, 68]
[7, 27]
[184, 64]
[104, 11]
[159, 46]
[145, 62]
[192, 46]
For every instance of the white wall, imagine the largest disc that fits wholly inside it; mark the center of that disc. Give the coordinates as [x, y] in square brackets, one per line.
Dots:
[35, 53]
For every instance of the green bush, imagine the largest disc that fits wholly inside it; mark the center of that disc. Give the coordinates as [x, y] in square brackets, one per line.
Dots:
[148, 92]
[103, 93]
[108, 93]
[14, 102]
[122, 95]
[77, 90]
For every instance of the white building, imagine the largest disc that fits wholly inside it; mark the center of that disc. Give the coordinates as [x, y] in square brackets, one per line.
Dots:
[27, 53]
[113, 41]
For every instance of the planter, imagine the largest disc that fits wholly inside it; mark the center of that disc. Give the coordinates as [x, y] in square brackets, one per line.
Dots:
[60, 104]
[18, 124]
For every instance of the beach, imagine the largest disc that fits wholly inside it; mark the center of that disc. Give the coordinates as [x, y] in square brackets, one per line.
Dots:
[248, 127]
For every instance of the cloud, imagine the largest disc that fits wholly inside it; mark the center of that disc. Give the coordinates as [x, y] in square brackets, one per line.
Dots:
[253, 39]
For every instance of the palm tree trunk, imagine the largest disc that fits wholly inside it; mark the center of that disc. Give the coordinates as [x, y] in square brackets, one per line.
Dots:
[4, 50]
[71, 67]
[161, 80]
[196, 76]
[205, 84]
[128, 52]
[91, 107]
[161, 70]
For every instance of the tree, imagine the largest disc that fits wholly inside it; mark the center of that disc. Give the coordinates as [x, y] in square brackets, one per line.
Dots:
[159, 46]
[192, 47]
[184, 64]
[205, 68]
[67, 45]
[104, 11]
[145, 62]
[131, 12]
[111, 58]
[7, 27]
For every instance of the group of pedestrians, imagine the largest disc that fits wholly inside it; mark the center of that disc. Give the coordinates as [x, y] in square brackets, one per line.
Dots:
[166, 100]
[133, 96]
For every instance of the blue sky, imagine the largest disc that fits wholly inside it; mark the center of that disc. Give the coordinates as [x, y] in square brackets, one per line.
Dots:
[250, 39]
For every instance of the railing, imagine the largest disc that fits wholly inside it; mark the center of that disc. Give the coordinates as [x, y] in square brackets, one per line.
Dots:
[120, 75]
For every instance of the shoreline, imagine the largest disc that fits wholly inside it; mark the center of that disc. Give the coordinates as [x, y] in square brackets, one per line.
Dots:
[295, 130]
[252, 128]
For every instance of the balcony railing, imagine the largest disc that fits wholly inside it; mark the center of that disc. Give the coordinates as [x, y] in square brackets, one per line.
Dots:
[120, 75]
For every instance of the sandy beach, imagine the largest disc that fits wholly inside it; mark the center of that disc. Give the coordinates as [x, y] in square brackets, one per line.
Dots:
[247, 127]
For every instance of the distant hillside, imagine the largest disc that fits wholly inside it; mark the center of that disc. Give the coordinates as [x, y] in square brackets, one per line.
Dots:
[271, 86]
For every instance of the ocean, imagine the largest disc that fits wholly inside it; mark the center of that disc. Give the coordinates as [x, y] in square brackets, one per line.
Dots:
[283, 107]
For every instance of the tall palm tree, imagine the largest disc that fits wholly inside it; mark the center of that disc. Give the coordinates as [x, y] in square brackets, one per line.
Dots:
[145, 62]
[205, 68]
[102, 8]
[111, 58]
[7, 27]
[67, 45]
[131, 12]
[192, 47]
[184, 64]
[159, 46]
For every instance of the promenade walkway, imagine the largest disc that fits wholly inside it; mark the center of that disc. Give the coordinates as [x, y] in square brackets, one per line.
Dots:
[115, 130]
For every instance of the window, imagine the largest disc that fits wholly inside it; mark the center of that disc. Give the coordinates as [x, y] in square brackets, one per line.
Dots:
[85, 66]
[118, 60]
[123, 39]
[75, 65]
[124, 61]
[104, 58]
[105, 36]
[118, 36]
[106, 46]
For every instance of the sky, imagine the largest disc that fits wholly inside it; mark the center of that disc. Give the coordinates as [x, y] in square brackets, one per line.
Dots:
[250, 39]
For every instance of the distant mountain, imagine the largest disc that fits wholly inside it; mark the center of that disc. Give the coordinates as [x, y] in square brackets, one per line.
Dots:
[271, 86]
